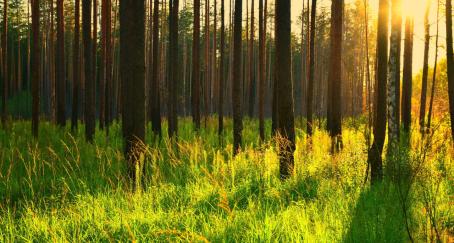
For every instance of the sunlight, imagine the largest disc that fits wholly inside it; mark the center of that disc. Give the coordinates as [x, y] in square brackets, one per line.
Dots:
[412, 8]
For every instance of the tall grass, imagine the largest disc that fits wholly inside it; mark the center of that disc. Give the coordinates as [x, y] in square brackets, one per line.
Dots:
[60, 188]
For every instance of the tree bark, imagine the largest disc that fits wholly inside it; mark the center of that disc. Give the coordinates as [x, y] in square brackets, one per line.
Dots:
[196, 67]
[132, 72]
[155, 96]
[434, 74]
[251, 68]
[89, 113]
[425, 69]
[379, 131]
[286, 127]
[262, 71]
[237, 88]
[36, 67]
[394, 74]
[335, 76]
[221, 73]
[173, 67]
[407, 76]
[5, 61]
[450, 60]
[76, 67]
[310, 86]
[60, 67]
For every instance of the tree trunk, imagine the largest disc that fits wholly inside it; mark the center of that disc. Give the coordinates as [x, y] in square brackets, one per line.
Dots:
[434, 74]
[407, 76]
[155, 87]
[108, 68]
[196, 67]
[335, 76]
[36, 67]
[60, 67]
[449, 56]
[173, 67]
[425, 69]
[76, 68]
[5, 61]
[379, 131]
[132, 72]
[310, 86]
[237, 88]
[88, 78]
[286, 127]
[394, 74]
[221, 73]
[262, 71]
[251, 68]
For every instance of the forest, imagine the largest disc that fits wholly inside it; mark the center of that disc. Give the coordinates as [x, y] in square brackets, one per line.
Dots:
[226, 121]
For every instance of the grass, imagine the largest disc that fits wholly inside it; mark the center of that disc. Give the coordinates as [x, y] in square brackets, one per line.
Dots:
[60, 188]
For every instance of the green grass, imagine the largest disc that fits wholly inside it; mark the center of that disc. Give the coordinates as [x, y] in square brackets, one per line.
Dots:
[60, 188]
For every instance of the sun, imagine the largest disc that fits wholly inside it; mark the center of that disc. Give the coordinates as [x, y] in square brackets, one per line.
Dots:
[414, 8]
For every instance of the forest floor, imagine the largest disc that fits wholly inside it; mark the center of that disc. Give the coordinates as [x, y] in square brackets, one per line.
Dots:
[63, 189]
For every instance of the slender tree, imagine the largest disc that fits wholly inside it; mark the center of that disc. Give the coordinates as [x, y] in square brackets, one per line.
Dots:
[407, 75]
[196, 67]
[102, 67]
[108, 68]
[286, 126]
[450, 61]
[335, 76]
[434, 73]
[36, 67]
[89, 113]
[236, 85]
[394, 73]
[154, 91]
[132, 73]
[173, 67]
[60, 67]
[5, 62]
[379, 131]
[76, 67]
[425, 69]
[262, 71]
[251, 68]
[310, 86]
[221, 73]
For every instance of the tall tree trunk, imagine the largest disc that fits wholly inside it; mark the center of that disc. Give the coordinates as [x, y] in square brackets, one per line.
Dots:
[262, 71]
[394, 74]
[155, 87]
[450, 56]
[76, 68]
[310, 86]
[60, 67]
[251, 68]
[376, 150]
[89, 113]
[434, 74]
[36, 68]
[94, 55]
[407, 76]
[236, 85]
[335, 76]
[5, 61]
[221, 73]
[286, 126]
[425, 69]
[132, 72]
[196, 67]
[108, 68]
[207, 62]
[102, 68]
[173, 68]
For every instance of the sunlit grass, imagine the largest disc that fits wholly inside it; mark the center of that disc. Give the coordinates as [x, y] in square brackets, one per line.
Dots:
[63, 189]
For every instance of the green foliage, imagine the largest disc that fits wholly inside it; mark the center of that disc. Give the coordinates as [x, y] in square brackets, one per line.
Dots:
[59, 188]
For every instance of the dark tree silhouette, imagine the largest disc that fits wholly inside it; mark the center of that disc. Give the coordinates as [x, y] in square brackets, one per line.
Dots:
[60, 66]
[76, 67]
[36, 67]
[286, 127]
[88, 77]
[221, 73]
[173, 67]
[407, 75]
[425, 69]
[450, 60]
[335, 76]
[132, 74]
[262, 71]
[196, 67]
[310, 85]
[375, 152]
[5, 63]
[155, 107]
[236, 85]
